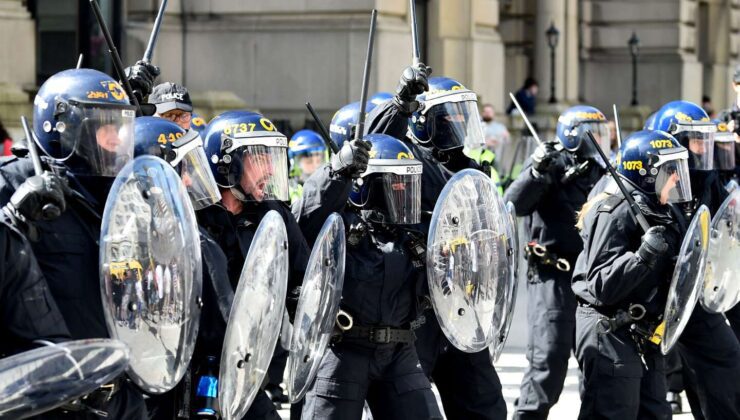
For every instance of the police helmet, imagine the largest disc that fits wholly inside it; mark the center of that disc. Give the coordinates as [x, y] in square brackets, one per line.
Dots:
[181, 149]
[448, 117]
[248, 156]
[345, 120]
[380, 97]
[691, 126]
[724, 147]
[389, 191]
[573, 125]
[656, 164]
[82, 117]
[197, 123]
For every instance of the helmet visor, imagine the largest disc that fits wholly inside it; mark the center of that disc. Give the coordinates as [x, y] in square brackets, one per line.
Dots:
[260, 172]
[672, 184]
[455, 124]
[699, 139]
[724, 152]
[402, 194]
[101, 137]
[195, 172]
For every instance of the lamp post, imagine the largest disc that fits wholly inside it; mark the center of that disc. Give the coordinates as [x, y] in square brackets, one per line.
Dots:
[634, 44]
[552, 35]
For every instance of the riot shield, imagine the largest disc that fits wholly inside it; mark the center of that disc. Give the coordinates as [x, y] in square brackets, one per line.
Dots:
[45, 378]
[687, 279]
[505, 305]
[150, 271]
[466, 247]
[255, 317]
[317, 307]
[722, 275]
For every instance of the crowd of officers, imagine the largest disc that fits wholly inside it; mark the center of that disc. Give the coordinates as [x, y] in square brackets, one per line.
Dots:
[587, 258]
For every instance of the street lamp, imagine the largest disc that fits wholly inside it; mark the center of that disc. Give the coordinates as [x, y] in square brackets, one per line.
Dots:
[634, 44]
[552, 34]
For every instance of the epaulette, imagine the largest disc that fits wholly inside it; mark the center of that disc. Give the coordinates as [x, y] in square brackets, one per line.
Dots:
[611, 202]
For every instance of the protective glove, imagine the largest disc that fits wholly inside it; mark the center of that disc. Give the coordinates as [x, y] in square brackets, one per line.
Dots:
[352, 158]
[544, 158]
[413, 82]
[141, 76]
[653, 246]
[40, 197]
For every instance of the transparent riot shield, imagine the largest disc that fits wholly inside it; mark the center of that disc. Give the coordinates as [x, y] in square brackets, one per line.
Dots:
[688, 278]
[505, 305]
[721, 289]
[317, 307]
[150, 271]
[466, 248]
[255, 318]
[42, 379]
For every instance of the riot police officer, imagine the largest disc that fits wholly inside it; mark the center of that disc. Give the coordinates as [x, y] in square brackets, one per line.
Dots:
[83, 123]
[621, 279]
[184, 151]
[248, 159]
[437, 133]
[306, 152]
[551, 188]
[372, 357]
[709, 349]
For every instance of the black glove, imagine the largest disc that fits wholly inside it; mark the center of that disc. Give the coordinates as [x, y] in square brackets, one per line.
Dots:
[413, 82]
[544, 158]
[40, 197]
[141, 76]
[654, 245]
[351, 159]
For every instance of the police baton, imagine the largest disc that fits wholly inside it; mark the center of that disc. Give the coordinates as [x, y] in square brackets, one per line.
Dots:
[79, 62]
[634, 208]
[616, 125]
[526, 120]
[117, 63]
[322, 129]
[155, 33]
[366, 77]
[414, 33]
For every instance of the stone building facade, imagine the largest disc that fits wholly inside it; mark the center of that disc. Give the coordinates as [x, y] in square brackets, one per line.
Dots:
[275, 55]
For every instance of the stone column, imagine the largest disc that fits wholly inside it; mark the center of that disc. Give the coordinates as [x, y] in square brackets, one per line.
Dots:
[550, 11]
[17, 64]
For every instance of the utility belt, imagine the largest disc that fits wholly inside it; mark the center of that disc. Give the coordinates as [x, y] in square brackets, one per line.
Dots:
[539, 253]
[97, 401]
[345, 328]
[646, 333]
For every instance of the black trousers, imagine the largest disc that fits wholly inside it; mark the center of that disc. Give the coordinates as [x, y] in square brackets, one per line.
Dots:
[387, 376]
[551, 307]
[467, 382]
[616, 384]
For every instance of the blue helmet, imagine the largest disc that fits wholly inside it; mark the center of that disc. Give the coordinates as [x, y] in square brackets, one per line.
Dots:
[184, 151]
[649, 122]
[691, 126]
[197, 123]
[248, 156]
[82, 117]
[390, 188]
[345, 120]
[573, 125]
[448, 117]
[305, 142]
[655, 163]
[380, 98]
